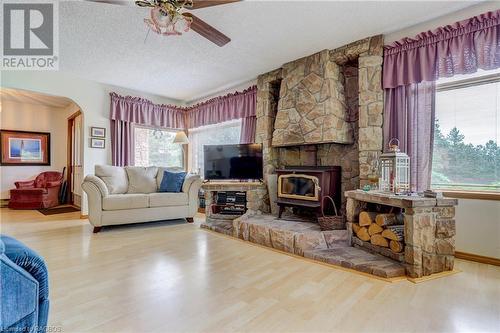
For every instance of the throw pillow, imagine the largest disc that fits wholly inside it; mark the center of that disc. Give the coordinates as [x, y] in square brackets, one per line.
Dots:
[172, 181]
[114, 177]
[161, 171]
[141, 179]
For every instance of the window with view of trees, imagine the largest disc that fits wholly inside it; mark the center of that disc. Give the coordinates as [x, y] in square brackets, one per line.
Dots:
[219, 134]
[467, 129]
[154, 147]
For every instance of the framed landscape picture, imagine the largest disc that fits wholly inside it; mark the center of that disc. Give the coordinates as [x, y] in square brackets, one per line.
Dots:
[97, 143]
[98, 132]
[24, 148]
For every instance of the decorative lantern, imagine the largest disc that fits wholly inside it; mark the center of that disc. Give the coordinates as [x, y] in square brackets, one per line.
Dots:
[394, 170]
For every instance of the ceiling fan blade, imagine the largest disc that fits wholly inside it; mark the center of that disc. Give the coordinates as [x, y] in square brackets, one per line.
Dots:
[207, 31]
[209, 3]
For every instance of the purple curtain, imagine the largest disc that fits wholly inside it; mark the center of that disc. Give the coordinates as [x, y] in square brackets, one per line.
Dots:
[460, 48]
[127, 111]
[122, 143]
[413, 125]
[248, 126]
[220, 109]
[410, 68]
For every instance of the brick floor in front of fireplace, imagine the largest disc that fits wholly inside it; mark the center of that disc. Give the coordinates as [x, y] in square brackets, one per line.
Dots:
[305, 239]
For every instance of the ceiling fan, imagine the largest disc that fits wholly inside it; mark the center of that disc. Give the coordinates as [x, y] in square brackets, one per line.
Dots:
[169, 17]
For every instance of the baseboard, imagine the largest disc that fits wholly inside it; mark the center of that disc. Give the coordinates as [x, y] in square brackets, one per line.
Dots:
[83, 217]
[477, 258]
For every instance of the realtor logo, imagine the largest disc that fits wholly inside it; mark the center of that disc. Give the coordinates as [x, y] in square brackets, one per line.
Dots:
[30, 35]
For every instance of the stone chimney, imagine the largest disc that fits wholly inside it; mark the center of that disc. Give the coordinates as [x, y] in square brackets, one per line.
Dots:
[312, 107]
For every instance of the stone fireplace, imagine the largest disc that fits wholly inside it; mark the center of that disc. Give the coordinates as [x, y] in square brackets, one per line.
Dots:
[324, 110]
[324, 113]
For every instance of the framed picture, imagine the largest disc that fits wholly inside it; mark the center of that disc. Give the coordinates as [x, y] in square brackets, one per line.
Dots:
[24, 148]
[97, 143]
[97, 132]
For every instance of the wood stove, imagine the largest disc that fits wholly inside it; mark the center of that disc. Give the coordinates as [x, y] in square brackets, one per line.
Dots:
[306, 186]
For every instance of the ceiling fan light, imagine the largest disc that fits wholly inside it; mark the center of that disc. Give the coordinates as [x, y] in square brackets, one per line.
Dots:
[183, 23]
[151, 25]
[160, 19]
[170, 31]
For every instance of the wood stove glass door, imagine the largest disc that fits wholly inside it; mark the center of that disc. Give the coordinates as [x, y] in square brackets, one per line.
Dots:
[298, 186]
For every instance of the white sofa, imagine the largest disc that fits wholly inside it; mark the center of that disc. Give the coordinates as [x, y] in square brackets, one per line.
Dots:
[121, 195]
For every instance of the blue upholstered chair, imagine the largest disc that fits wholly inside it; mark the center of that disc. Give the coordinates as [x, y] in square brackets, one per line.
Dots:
[24, 288]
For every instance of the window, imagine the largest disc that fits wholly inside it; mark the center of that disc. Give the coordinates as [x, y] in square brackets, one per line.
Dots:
[219, 134]
[467, 132]
[155, 147]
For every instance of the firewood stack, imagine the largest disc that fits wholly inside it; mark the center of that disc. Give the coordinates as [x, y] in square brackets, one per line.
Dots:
[386, 230]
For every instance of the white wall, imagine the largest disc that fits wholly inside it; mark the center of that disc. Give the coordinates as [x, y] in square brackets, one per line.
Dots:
[37, 118]
[92, 98]
[477, 221]
[478, 227]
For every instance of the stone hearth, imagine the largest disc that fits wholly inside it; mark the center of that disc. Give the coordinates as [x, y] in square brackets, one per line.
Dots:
[359, 260]
[306, 239]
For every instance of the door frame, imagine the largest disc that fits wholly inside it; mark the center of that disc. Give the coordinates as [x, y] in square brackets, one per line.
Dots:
[69, 166]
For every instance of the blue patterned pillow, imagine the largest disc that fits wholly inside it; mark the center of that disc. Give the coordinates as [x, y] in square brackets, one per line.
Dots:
[172, 181]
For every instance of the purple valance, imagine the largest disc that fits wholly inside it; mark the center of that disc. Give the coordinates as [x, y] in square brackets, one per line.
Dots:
[461, 48]
[141, 111]
[220, 109]
[127, 111]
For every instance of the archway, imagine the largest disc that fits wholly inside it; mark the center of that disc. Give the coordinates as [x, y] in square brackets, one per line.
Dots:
[29, 111]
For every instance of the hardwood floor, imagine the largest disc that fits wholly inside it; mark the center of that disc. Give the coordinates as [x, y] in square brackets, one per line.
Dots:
[176, 277]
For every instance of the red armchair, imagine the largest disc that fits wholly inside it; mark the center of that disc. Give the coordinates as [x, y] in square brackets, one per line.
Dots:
[42, 192]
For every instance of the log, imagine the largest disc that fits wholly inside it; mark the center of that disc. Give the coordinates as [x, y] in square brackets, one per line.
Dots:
[374, 229]
[396, 246]
[367, 218]
[363, 234]
[388, 219]
[355, 227]
[377, 239]
[394, 232]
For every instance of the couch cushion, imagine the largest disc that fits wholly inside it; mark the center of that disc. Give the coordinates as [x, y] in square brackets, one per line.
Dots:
[125, 201]
[114, 177]
[141, 179]
[168, 199]
[161, 171]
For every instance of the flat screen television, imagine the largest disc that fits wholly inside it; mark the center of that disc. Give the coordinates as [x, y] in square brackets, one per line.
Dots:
[236, 162]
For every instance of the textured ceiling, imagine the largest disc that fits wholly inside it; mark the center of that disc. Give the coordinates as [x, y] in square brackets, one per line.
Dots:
[108, 44]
